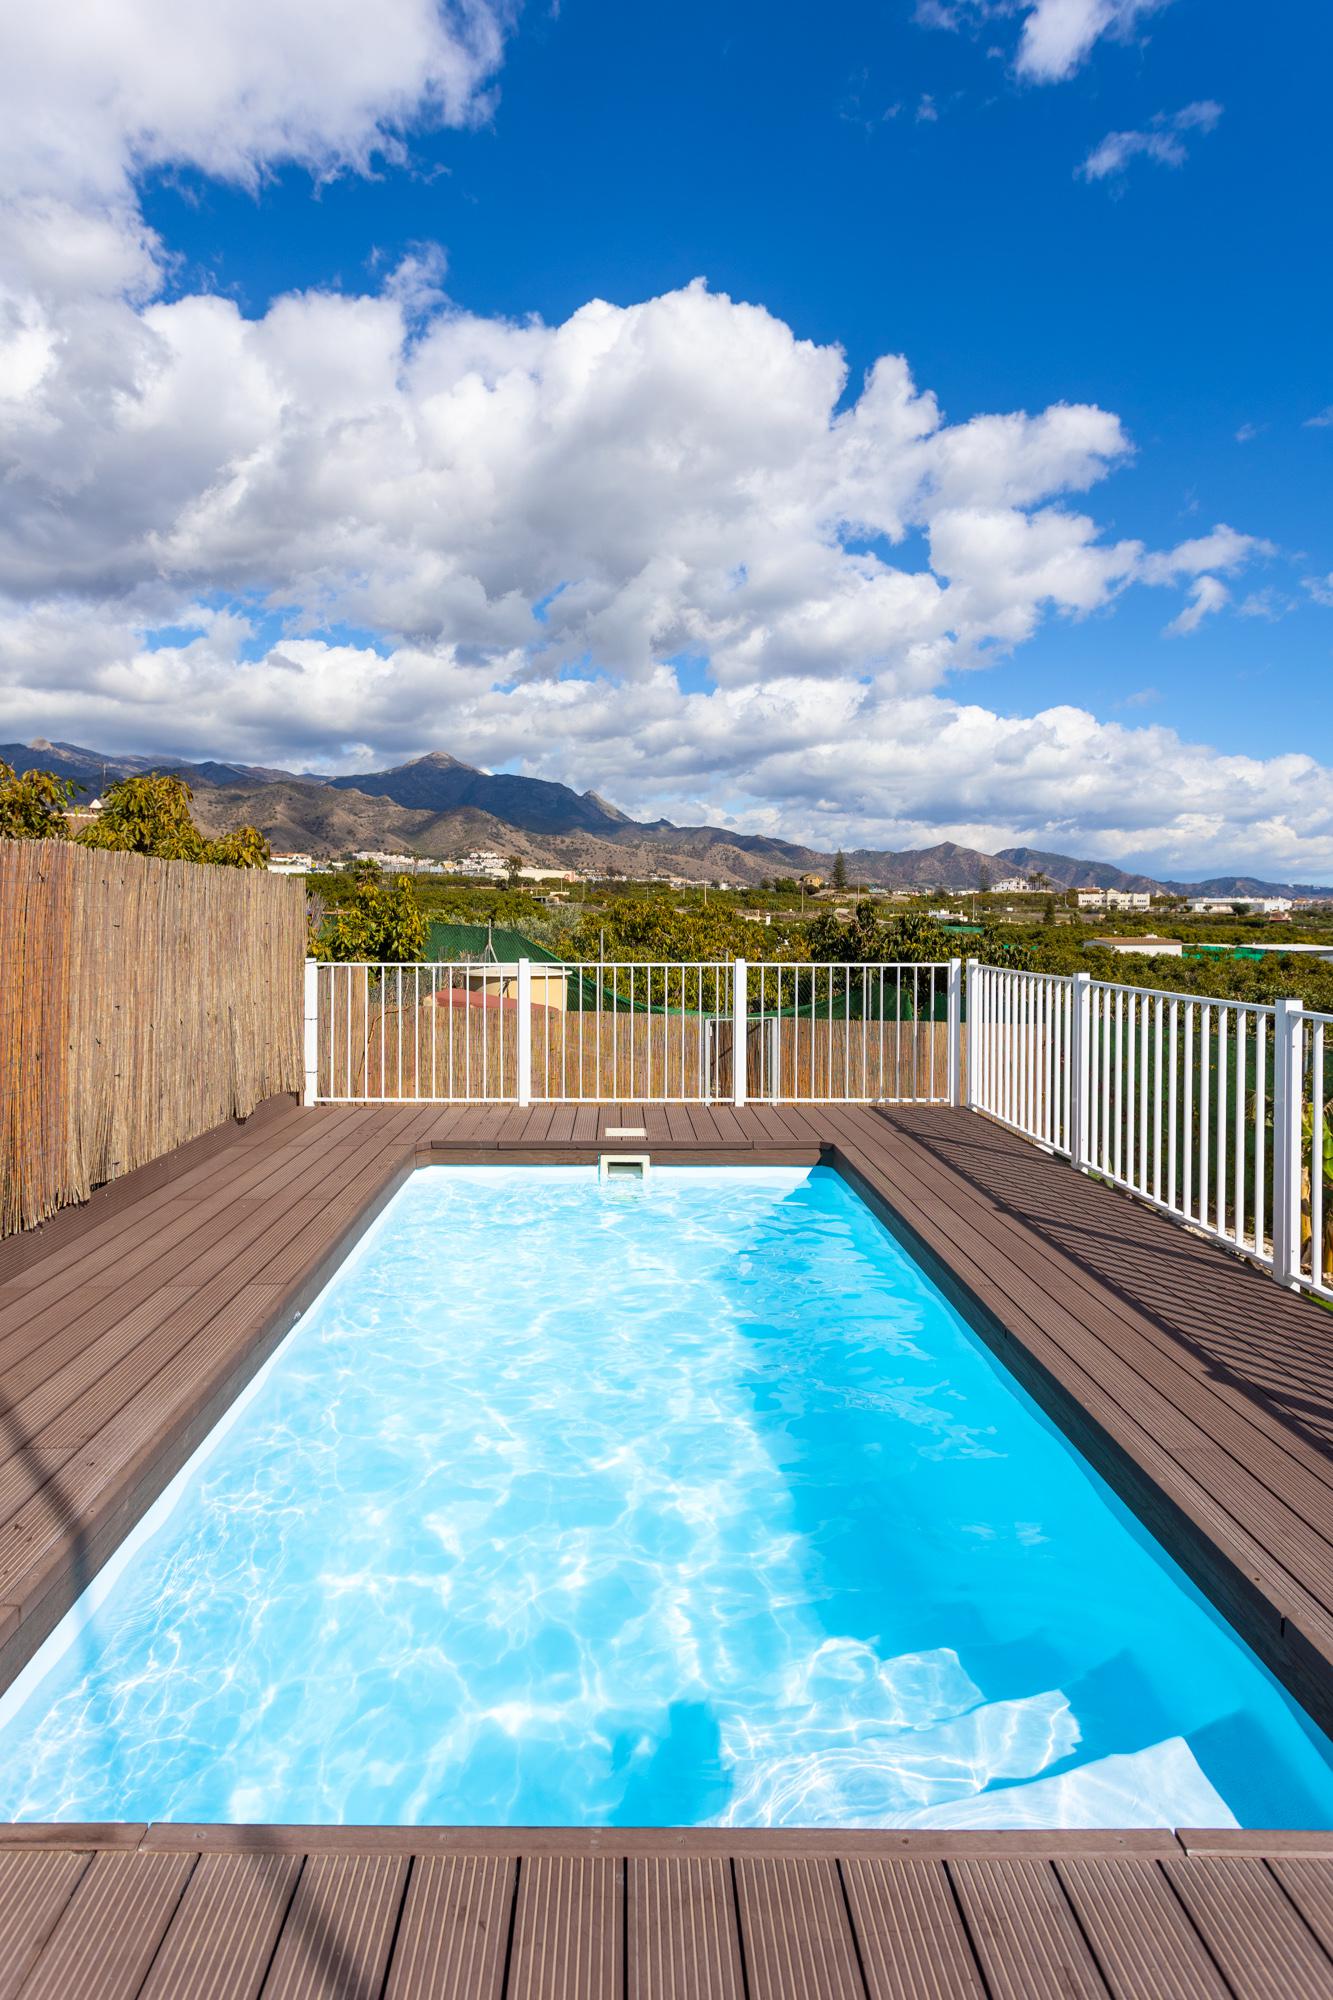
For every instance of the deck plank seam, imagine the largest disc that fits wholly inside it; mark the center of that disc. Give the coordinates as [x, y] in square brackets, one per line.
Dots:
[1275, 1876]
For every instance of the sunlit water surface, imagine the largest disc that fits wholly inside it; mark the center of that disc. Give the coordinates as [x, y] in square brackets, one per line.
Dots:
[581, 1504]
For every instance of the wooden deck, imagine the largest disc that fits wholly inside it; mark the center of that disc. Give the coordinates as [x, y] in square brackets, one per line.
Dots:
[184, 1913]
[1201, 1390]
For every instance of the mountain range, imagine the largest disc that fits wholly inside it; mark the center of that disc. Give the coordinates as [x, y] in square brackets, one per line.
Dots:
[439, 807]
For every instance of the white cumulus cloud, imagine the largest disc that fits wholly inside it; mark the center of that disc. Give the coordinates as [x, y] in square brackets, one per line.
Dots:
[359, 526]
[1058, 35]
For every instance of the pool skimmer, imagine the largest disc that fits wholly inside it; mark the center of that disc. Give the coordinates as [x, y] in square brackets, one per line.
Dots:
[624, 1167]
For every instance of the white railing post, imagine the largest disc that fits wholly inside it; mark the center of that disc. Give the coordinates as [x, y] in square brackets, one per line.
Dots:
[524, 1032]
[974, 1006]
[311, 1091]
[1080, 1068]
[740, 1016]
[955, 1054]
[1286, 1164]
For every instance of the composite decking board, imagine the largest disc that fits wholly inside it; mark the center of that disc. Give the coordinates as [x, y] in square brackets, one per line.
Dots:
[1252, 1929]
[1309, 1885]
[107, 1935]
[190, 1837]
[230, 1172]
[34, 1889]
[682, 1941]
[453, 1938]
[795, 1930]
[1105, 1311]
[719, 1125]
[587, 1124]
[1024, 1931]
[1259, 1337]
[58, 1237]
[780, 1125]
[220, 1941]
[338, 1930]
[912, 1939]
[560, 1131]
[1138, 1930]
[1228, 1503]
[680, 1130]
[149, 1245]
[568, 1928]
[390, 1917]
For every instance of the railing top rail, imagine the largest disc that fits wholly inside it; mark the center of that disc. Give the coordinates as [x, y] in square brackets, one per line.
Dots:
[1191, 999]
[554, 965]
[849, 964]
[1022, 972]
[424, 964]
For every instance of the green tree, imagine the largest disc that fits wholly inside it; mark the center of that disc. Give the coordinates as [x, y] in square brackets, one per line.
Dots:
[867, 938]
[148, 815]
[243, 847]
[514, 867]
[33, 805]
[379, 923]
[151, 815]
[838, 879]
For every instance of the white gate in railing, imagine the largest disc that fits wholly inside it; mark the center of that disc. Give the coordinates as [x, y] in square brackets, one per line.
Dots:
[1215, 1111]
[537, 1032]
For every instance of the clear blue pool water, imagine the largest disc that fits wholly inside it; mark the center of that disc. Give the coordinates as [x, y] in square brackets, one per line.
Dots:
[580, 1504]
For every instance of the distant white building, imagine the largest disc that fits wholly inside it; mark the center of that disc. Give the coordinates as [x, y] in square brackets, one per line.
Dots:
[1012, 885]
[1114, 899]
[1212, 906]
[1149, 946]
[290, 864]
[404, 864]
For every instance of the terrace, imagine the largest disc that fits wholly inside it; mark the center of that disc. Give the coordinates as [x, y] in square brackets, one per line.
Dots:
[1109, 1180]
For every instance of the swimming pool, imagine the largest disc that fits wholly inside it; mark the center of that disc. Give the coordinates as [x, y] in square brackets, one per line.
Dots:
[600, 1505]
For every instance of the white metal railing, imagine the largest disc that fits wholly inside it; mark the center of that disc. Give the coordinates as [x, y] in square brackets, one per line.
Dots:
[656, 1032]
[1218, 1112]
[1020, 1051]
[1178, 1095]
[388, 1033]
[1303, 1229]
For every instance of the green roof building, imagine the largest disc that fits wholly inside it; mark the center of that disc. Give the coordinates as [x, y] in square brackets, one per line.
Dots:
[483, 943]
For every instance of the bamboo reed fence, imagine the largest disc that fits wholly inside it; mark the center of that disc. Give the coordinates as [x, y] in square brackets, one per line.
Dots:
[141, 1003]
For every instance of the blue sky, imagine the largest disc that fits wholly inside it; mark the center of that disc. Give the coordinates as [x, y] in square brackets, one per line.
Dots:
[888, 179]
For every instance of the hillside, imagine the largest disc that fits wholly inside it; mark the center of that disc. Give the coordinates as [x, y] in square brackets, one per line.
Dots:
[440, 808]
